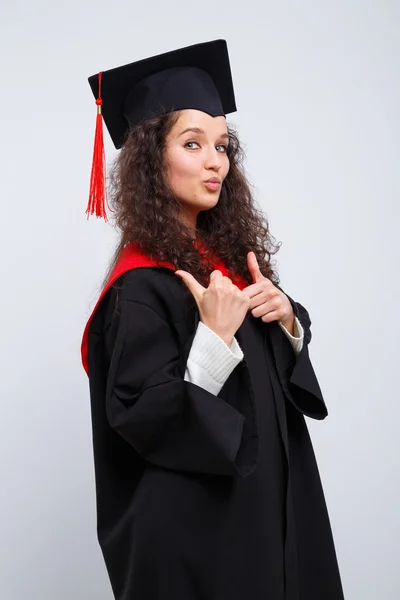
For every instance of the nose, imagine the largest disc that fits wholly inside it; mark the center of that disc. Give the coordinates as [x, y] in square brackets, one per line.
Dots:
[213, 159]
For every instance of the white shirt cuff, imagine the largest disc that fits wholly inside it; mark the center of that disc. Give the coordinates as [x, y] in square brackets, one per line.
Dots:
[297, 339]
[211, 360]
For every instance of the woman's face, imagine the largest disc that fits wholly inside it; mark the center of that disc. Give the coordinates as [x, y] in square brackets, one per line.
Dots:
[196, 152]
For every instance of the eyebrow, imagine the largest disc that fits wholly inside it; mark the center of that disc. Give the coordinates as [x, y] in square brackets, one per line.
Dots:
[201, 132]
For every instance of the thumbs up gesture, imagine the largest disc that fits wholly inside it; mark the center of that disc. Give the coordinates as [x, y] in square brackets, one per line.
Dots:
[266, 300]
[222, 305]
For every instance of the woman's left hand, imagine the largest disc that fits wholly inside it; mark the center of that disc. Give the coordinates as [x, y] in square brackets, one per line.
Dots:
[267, 301]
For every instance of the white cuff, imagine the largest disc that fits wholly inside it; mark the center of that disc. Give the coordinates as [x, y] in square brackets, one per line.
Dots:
[297, 339]
[211, 360]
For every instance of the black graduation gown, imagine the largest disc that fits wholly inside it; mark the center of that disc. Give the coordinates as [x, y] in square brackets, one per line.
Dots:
[204, 497]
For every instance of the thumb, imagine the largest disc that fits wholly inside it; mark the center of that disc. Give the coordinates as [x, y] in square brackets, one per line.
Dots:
[191, 283]
[253, 267]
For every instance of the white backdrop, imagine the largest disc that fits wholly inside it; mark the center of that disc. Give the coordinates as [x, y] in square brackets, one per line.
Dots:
[317, 89]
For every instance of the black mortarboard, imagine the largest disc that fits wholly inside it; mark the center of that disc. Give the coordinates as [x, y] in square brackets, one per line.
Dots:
[197, 77]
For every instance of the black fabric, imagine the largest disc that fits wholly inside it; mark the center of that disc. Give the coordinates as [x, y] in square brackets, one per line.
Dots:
[204, 497]
[197, 77]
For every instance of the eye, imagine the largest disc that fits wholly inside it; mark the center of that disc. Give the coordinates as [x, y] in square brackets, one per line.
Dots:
[190, 142]
[223, 146]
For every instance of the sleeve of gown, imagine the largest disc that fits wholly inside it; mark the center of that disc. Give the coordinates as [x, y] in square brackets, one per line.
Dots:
[303, 383]
[173, 423]
[299, 380]
[211, 360]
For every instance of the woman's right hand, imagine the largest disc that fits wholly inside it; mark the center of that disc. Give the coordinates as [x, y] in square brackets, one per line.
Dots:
[222, 305]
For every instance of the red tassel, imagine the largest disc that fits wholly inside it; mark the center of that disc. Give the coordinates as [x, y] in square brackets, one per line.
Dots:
[98, 193]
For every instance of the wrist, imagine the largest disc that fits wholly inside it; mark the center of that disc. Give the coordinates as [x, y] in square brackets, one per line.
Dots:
[289, 324]
[227, 338]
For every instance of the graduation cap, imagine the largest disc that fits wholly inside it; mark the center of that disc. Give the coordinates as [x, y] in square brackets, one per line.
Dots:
[197, 77]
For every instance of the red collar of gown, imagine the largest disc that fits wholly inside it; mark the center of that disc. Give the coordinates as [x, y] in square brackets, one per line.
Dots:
[132, 257]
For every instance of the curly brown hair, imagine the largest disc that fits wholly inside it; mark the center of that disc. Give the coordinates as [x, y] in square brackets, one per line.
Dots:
[145, 210]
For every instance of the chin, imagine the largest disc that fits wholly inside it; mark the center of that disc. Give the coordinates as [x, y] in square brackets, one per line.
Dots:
[210, 201]
[203, 202]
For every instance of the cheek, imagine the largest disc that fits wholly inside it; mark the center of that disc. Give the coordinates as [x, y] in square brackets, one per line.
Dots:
[225, 167]
[182, 167]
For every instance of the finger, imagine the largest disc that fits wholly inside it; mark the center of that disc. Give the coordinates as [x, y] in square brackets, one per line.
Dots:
[254, 289]
[274, 315]
[194, 286]
[265, 308]
[217, 280]
[217, 274]
[253, 267]
[259, 300]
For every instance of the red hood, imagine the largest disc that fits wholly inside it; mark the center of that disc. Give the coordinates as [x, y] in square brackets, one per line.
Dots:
[132, 257]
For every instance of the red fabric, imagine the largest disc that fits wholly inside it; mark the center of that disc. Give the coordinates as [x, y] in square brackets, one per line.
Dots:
[132, 257]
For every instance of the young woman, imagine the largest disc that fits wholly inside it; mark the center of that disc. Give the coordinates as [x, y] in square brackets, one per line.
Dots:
[206, 481]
